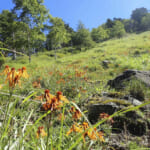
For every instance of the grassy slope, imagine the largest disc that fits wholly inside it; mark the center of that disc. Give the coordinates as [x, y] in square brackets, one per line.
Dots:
[130, 52]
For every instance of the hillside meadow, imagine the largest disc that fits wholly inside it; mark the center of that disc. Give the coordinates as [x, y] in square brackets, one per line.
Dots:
[47, 107]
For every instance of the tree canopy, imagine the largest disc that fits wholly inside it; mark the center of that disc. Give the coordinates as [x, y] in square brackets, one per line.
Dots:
[30, 26]
[82, 37]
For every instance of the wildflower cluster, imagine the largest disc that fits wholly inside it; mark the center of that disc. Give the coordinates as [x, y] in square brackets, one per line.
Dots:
[37, 83]
[106, 116]
[72, 81]
[55, 102]
[79, 73]
[13, 76]
[41, 132]
[76, 113]
[86, 131]
[52, 102]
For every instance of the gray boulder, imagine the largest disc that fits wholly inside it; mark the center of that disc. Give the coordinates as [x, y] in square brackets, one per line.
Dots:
[96, 109]
[118, 82]
[105, 63]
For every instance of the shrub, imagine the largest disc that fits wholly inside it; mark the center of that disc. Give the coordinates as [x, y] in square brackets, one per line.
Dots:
[2, 61]
[99, 34]
[136, 53]
[133, 145]
[137, 89]
[117, 30]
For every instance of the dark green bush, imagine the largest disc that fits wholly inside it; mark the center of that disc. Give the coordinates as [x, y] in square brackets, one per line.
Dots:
[2, 61]
[137, 89]
[70, 91]
[136, 53]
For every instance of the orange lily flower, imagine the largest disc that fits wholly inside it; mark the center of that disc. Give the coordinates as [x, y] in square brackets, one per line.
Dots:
[75, 128]
[39, 98]
[47, 95]
[52, 102]
[60, 73]
[36, 84]
[94, 135]
[91, 133]
[105, 116]
[46, 106]
[50, 73]
[41, 132]
[24, 73]
[73, 109]
[61, 97]
[77, 114]
[101, 136]
[12, 78]
[1, 86]
[6, 70]
[61, 117]
[85, 125]
[19, 72]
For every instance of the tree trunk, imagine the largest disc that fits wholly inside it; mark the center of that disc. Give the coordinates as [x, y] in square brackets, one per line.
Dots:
[14, 55]
[14, 51]
[29, 53]
[29, 58]
[55, 54]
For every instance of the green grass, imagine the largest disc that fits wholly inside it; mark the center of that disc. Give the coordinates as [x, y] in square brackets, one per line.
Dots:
[78, 76]
[120, 52]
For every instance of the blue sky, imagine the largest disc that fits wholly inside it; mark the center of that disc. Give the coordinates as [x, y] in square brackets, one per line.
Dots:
[91, 12]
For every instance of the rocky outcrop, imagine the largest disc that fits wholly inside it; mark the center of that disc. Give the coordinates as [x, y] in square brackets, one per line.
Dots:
[130, 124]
[128, 75]
[96, 109]
[105, 63]
[133, 121]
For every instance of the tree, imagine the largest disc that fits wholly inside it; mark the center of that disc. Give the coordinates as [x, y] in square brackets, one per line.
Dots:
[68, 28]
[6, 21]
[82, 37]
[71, 32]
[80, 25]
[118, 19]
[145, 23]
[109, 23]
[128, 25]
[117, 30]
[34, 14]
[17, 40]
[11, 35]
[99, 34]
[137, 16]
[58, 33]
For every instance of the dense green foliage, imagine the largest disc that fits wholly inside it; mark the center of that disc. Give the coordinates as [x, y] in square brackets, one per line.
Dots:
[99, 34]
[33, 14]
[145, 23]
[117, 30]
[137, 16]
[82, 37]
[29, 28]
[58, 34]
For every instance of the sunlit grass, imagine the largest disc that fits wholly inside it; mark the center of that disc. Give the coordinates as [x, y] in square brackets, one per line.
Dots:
[78, 76]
